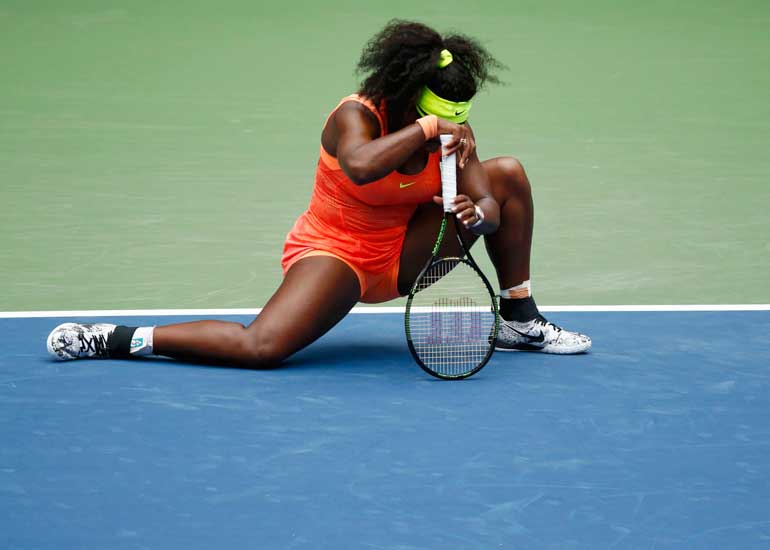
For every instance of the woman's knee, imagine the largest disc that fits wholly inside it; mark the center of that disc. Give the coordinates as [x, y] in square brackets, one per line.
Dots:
[259, 352]
[510, 173]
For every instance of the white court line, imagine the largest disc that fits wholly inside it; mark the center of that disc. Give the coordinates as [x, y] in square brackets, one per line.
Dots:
[364, 309]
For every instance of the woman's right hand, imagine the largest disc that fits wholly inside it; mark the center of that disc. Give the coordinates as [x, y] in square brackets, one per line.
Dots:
[462, 140]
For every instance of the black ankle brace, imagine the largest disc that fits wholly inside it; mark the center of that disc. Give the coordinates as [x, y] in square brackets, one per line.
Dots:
[119, 342]
[518, 309]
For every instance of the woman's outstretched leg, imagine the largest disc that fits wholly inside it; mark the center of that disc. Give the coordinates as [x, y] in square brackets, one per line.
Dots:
[315, 295]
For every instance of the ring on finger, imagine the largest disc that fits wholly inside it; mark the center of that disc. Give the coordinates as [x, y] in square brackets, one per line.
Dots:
[463, 141]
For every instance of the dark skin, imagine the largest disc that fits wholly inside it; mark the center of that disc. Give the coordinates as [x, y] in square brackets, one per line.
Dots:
[499, 187]
[352, 138]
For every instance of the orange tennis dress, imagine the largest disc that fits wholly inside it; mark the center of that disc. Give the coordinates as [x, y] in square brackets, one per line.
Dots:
[362, 225]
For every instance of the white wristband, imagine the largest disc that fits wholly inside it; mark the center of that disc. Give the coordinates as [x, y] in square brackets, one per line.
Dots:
[479, 217]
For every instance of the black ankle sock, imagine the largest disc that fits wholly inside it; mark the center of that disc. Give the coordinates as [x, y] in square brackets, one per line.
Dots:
[518, 309]
[119, 342]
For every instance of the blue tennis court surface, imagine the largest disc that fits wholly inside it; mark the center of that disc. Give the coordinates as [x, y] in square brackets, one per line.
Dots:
[659, 438]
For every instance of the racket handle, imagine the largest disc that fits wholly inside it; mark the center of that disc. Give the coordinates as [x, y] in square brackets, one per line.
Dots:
[448, 174]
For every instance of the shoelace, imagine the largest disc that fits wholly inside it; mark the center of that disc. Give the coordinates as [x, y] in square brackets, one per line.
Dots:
[540, 320]
[96, 344]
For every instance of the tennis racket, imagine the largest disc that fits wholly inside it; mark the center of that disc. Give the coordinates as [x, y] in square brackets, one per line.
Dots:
[451, 319]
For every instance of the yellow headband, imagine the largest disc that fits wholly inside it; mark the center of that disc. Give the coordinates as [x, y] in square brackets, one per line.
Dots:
[453, 111]
[431, 104]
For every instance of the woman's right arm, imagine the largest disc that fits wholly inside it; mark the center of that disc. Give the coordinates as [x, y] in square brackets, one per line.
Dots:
[362, 155]
[365, 157]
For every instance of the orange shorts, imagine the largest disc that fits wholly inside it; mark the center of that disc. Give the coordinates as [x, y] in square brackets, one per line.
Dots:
[375, 287]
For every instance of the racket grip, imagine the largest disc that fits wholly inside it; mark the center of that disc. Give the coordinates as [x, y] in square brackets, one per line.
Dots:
[448, 174]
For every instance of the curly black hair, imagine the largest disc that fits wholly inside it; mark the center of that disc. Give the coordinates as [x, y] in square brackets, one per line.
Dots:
[403, 57]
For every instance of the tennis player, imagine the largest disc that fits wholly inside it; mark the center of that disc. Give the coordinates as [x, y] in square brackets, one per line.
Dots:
[373, 216]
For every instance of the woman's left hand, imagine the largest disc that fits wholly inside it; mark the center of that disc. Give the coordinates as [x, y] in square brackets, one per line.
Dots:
[463, 207]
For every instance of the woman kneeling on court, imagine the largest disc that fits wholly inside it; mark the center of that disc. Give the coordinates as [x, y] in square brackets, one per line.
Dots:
[373, 216]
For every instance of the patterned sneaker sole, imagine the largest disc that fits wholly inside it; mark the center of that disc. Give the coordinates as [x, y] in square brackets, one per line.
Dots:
[557, 350]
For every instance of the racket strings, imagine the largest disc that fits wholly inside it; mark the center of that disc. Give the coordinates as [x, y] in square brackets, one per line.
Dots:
[437, 272]
[452, 322]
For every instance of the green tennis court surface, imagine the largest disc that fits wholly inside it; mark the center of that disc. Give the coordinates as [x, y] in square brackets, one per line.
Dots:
[154, 155]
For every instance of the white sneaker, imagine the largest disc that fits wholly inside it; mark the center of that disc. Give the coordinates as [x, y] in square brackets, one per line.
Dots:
[76, 341]
[539, 335]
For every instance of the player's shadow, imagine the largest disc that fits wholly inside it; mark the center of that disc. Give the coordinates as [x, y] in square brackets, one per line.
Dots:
[355, 356]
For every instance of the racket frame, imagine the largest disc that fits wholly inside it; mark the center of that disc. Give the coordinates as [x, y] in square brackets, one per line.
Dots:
[468, 259]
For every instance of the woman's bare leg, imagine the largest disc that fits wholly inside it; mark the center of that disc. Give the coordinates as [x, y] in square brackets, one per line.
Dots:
[315, 295]
[509, 247]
